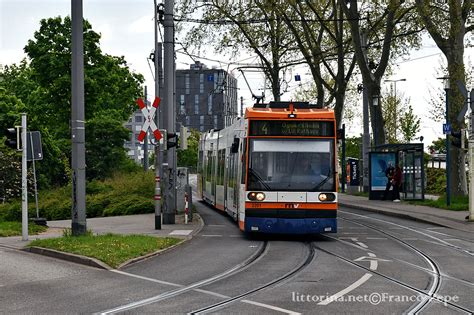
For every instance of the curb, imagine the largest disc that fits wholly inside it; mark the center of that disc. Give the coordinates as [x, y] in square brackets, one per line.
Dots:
[78, 259]
[165, 250]
[93, 262]
[394, 214]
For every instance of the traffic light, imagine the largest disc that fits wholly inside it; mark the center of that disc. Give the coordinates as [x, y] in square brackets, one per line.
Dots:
[13, 138]
[171, 144]
[458, 138]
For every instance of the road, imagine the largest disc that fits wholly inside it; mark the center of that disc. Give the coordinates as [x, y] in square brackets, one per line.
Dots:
[373, 264]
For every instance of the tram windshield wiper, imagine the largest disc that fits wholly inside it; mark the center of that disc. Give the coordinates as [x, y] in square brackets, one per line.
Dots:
[259, 178]
[324, 181]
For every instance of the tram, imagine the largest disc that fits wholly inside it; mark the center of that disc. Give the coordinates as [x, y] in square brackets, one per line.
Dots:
[274, 170]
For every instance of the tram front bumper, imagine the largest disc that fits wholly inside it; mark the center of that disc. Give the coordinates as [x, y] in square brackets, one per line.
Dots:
[306, 222]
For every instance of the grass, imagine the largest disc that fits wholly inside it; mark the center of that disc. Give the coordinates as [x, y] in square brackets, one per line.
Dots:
[14, 229]
[112, 249]
[458, 203]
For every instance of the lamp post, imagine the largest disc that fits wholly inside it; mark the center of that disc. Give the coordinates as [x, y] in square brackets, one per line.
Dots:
[448, 166]
[394, 95]
[375, 102]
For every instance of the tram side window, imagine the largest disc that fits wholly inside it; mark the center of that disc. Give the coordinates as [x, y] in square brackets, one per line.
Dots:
[244, 160]
[209, 166]
[220, 167]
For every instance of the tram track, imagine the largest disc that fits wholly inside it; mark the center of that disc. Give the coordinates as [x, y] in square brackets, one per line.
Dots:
[216, 306]
[438, 240]
[435, 271]
[259, 254]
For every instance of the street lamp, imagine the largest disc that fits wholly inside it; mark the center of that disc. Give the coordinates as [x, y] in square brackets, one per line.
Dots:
[375, 102]
[447, 130]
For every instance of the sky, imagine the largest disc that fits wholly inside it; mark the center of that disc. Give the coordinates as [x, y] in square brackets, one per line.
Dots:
[126, 27]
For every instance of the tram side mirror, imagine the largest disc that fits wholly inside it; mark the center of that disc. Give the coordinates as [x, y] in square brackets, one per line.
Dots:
[234, 148]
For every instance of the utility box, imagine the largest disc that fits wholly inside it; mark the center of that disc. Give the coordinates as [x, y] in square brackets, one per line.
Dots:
[182, 180]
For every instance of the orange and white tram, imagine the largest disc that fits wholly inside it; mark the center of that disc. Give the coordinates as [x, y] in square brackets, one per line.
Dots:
[273, 171]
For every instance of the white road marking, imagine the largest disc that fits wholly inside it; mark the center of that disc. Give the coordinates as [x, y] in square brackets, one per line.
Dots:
[353, 286]
[376, 238]
[373, 262]
[452, 239]
[181, 232]
[409, 239]
[222, 296]
[211, 235]
[278, 309]
[146, 278]
[362, 245]
[435, 228]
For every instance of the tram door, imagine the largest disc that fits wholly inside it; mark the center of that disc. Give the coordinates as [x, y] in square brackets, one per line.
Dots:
[412, 170]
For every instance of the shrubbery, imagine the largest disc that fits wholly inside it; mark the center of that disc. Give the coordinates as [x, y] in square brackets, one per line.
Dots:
[123, 194]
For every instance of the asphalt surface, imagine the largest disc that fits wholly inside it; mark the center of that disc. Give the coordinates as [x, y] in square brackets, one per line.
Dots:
[374, 264]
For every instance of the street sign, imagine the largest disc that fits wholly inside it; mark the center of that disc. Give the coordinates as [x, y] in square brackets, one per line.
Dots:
[447, 129]
[149, 119]
[35, 151]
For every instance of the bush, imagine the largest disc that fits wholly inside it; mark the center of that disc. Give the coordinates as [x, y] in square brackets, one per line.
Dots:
[435, 181]
[123, 194]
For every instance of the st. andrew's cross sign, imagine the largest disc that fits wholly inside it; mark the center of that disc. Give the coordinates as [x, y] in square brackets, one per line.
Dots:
[149, 119]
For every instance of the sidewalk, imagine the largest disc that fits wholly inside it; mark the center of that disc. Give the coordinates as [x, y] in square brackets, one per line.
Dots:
[451, 219]
[130, 224]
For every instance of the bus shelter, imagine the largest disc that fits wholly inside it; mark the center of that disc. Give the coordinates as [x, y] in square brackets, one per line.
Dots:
[409, 156]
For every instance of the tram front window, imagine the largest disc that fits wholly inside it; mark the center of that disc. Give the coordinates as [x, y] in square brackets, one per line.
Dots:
[291, 165]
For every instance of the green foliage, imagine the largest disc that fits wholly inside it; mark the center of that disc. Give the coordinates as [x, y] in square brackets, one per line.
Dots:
[41, 87]
[435, 181]
[354, 147]
[189, 157]
[409, 125]
[457, 203]
[124, 193]
[112, 249]
[438, 146]
[14, 229]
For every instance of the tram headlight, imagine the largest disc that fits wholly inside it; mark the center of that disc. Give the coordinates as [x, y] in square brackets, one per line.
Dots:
[326, 197]
[258, 196]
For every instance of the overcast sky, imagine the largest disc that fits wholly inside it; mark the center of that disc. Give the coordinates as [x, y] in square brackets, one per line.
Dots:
[126, 27]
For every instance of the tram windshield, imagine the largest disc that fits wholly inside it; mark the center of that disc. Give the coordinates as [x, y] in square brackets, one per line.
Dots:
[291, 165]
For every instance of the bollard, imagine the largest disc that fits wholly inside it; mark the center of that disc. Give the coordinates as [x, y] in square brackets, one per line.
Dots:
[189, 194]
[186, 207]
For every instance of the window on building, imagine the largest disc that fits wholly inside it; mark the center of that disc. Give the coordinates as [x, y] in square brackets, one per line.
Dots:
[201, 128]
[215, 121]
[196, 104]
[187, 83]
[138, 118]
[209, 104]
[201, 120]
[201, 88]
[201, 78]
[188, 120]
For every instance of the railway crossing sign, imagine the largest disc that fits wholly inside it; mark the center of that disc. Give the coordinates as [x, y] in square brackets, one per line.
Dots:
[149, 119]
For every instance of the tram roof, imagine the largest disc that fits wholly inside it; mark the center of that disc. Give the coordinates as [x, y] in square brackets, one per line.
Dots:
[282, 113]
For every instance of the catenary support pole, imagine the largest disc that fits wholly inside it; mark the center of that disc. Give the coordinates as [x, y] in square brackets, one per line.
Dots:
[169, 101]
[448, 166]
[24, 182]
[471, 159]
[158, 156]
[78, 161]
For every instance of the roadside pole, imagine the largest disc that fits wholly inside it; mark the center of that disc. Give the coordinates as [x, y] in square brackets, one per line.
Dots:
[158, 158]
[365, 118]
[24, 182]
[78, 154]
[145, 142]
[169, 101]
[471, 159]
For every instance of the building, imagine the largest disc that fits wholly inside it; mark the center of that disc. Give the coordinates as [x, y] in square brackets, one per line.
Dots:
[205, 98]
[134, 147]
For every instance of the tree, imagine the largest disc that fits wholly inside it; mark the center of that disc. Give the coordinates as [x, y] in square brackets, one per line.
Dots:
[391, 28]
[438, 146]
[448, 23]
[189, 157]
[43, 84]
[409, 125]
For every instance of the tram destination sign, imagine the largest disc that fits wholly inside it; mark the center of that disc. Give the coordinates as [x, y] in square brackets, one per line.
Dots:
[291, 128]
